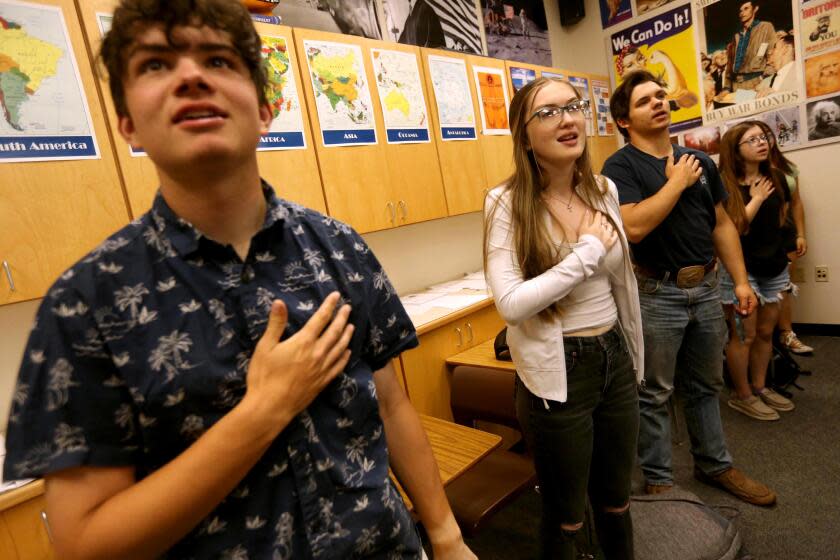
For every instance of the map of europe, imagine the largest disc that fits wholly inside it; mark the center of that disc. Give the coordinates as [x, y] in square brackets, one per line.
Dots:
[25, 62]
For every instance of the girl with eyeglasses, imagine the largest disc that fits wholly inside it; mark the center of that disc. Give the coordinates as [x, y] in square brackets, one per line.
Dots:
[558, 264]
[796, 244]
[757, 204]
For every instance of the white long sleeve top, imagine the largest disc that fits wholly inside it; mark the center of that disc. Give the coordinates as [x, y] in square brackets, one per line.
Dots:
[536, 345]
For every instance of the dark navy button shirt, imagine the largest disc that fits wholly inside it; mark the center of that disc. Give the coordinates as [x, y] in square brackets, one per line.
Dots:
[144, 344]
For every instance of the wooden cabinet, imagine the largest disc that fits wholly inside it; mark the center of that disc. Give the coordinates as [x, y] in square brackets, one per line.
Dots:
[496, 150]
[378, 186]
[23, 530]
[426, 372]
[461, 163]
[53, 212]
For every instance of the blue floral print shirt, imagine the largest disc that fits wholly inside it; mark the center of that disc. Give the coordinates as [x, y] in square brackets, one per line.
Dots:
[144, 344]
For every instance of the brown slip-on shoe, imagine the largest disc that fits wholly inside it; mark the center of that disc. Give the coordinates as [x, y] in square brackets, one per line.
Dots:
[739, 485]
[657, 488]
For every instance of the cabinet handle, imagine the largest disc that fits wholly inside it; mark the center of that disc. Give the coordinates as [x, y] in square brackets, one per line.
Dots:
[470, 337]
[393, 211]
[46, 525]
[460, 338]
[403, 209]
[8, 270]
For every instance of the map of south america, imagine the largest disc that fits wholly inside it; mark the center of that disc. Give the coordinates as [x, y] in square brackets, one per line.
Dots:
[44, 113]
[25, 62]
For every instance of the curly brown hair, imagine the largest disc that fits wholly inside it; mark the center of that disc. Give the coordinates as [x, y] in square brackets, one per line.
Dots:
[133, 17]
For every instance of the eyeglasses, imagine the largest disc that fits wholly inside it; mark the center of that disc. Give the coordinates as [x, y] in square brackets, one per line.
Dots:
[556, 112]
[756, 140]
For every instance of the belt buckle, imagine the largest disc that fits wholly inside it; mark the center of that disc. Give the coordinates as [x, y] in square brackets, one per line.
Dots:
[690, 276]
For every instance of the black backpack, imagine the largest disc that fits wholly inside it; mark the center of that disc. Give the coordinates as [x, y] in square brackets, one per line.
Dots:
[783, 370]
[500, 346]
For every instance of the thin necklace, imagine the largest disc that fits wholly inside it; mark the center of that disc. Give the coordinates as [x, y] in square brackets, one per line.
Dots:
[568, 203]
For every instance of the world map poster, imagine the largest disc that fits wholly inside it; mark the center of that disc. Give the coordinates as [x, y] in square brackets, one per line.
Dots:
[43, 111]
[286, 130]
[342, 94]
[401, 95]
[453, 97]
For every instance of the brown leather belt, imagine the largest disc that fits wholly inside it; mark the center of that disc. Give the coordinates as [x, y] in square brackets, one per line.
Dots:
[685, 277]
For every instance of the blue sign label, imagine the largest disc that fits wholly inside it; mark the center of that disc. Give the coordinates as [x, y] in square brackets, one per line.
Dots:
[137, 151]
[349, 137]
[402, 135]
[40, 147]
[273, 20]
[281, 141]
[458, 132]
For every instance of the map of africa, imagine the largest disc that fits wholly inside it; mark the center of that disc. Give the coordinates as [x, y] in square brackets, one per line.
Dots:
[40, 93]
[282, 93]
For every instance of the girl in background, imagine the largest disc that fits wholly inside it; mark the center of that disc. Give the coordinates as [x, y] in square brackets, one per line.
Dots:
[757, 204]
[558, 264]
[796, 244]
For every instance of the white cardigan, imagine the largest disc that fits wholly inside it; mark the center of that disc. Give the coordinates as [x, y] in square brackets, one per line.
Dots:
[536, 345]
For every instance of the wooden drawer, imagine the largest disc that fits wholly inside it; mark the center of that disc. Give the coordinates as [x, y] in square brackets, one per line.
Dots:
[23, 533]
[426, 372]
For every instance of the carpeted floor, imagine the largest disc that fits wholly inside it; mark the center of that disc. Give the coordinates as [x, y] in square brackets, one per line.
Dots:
[798, 456]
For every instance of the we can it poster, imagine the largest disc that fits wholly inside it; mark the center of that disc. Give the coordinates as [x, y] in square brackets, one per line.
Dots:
[664, 46]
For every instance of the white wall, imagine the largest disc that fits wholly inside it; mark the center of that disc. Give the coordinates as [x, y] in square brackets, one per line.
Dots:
[819, 168]
[580, 46]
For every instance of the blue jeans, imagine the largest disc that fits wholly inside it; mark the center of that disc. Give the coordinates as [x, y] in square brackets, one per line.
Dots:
[684, 332]
[586, 444]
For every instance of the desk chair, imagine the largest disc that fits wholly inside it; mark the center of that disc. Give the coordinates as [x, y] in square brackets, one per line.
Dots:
[481, 393]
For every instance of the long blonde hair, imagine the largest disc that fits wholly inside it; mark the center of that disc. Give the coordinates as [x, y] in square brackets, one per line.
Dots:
[535, 251]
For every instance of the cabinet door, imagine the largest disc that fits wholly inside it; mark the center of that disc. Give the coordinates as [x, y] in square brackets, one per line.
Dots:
[461, 163]
[413, 169]
[355, 178]
[481, 325]
[53, 212]
[23, 535]
[426, 372]
[497, 151]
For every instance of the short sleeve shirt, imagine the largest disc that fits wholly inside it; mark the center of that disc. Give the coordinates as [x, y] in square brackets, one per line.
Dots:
[764, 245]
[684, 238]
[144, 344]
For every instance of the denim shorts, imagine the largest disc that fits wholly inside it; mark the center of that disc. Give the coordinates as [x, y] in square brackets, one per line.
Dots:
[767, 289]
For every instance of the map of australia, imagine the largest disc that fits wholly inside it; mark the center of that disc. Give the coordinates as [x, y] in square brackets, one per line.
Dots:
[25, 62]
[400, 88]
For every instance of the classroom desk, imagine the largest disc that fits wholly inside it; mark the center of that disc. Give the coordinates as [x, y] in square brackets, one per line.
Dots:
[482, 355]
[456, 448]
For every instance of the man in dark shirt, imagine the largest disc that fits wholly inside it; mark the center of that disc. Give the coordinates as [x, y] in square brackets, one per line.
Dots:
[672, 207]
[214, 380]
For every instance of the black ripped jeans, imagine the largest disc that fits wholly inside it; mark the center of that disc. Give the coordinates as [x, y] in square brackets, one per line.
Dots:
[585, 445]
